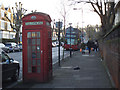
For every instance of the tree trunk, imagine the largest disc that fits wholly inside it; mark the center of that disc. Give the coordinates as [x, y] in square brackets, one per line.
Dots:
[17, 37]
[103, 25]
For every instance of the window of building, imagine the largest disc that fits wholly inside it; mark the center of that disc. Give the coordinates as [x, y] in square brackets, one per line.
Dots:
[8, 26]
[2, 24]
[6, 34]
[2, 13]
[12, 35]
[0, 34]
[9, 15]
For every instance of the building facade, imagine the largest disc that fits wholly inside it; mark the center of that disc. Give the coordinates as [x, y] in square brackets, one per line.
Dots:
[6, 32]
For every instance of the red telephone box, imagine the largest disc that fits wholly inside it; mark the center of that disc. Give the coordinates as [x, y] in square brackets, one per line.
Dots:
[37, 47]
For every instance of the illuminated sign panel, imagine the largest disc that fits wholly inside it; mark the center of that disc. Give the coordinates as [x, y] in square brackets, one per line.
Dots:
[33, 23]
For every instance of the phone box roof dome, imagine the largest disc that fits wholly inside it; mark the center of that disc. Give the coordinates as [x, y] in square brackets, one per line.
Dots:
[36, 16]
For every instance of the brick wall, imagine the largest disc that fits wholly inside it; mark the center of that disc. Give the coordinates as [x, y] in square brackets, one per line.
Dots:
[110, 53]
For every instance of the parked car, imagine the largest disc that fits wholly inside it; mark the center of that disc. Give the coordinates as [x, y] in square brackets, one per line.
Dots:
[10, 67]
[3, 47]
[53, 44]
[16, 48]
[20, 45]
[12, 46]
[57, 43]
[62, 43]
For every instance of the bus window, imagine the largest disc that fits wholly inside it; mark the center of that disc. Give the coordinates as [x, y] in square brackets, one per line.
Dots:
[72, 41]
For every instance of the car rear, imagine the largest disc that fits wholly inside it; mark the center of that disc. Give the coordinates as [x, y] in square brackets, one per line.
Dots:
[4, 48]
[10, 67]
[9, 46]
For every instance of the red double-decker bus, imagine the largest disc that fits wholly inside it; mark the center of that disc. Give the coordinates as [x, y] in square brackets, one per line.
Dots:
[72, 39]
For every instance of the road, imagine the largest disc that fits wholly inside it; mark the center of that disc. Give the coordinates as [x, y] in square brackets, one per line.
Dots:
[18, 56]
[55, 54]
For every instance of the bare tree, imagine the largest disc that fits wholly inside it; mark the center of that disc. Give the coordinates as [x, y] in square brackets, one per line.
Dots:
[17, 19]
[64, 13]
[105, 9]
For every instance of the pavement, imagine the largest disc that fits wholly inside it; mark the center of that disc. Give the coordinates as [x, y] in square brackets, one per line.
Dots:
[79, 71]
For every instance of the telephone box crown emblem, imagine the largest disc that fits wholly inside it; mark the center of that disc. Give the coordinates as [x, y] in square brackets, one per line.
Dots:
[33, 17]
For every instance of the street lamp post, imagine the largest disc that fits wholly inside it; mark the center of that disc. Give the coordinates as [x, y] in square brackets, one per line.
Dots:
[53, 28]
[88, 26]
[70, 40]
[59, 42]
[59, 26]
[82, 21]
[82, 26]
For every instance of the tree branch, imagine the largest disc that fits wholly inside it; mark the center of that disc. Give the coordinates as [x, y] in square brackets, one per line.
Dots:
[95, 10]
[10, 22]
[105, 8]
[111, 12]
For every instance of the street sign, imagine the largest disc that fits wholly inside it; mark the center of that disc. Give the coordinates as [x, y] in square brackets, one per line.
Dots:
[57, 24]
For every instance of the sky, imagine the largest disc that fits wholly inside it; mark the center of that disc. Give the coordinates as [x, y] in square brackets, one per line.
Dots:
[54, 8]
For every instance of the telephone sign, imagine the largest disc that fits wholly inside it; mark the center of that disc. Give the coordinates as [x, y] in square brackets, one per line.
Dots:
[33, 17]
[33, 23]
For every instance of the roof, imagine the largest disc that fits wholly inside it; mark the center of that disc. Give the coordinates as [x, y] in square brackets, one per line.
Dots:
[39, 13]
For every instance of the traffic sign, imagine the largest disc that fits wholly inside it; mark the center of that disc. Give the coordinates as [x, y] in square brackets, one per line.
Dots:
[57, 24]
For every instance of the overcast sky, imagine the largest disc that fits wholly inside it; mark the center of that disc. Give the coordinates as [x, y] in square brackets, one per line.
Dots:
[53, 8]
